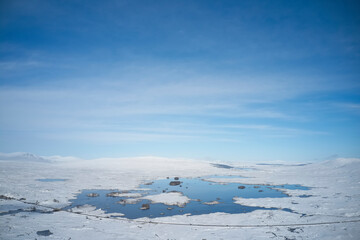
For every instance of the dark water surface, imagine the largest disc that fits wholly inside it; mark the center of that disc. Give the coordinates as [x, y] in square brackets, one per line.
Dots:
[197, 189]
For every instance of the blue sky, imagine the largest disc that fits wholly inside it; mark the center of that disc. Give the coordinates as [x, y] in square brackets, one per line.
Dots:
[222, 80]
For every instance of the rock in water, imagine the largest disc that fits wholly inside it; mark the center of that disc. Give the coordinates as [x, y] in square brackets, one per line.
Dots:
[44, 233]
[93, 195]
[145, 206]
[174, 183]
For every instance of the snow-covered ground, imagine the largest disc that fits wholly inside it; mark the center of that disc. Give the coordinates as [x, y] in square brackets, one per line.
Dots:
[335, 197]
[172, 198]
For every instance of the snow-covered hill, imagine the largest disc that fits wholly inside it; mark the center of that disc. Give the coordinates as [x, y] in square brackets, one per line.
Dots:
[22, 156]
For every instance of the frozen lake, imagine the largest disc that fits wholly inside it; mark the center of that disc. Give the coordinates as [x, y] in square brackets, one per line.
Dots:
[205, 197]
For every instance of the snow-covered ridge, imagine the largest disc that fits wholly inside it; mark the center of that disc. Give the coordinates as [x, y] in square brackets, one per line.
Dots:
[344, 165]
[30, 157]
[25, 156]
[341, 162]
[22, 156]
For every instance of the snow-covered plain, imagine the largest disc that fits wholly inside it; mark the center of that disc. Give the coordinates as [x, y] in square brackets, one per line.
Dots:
[335, 197]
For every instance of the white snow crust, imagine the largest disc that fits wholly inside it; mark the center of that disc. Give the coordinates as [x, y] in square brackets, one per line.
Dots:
[171, 198]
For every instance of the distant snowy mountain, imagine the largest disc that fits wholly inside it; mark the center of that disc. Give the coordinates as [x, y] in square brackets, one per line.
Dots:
[57, 158]
[342, 162]
[21, 156]
[344, 166]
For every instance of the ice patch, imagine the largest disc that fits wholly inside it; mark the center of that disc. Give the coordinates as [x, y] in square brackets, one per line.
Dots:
[171, 198]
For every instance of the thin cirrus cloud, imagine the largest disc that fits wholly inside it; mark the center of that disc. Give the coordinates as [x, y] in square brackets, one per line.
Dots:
[168, 93]
[222, 98]
[71, 109]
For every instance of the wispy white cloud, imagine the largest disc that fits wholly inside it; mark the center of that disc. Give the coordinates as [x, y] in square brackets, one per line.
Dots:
[107, 103]
[128, 98]
[277, 130]
[19, 65]
[114, 137]
[352, 107]
[144, 104]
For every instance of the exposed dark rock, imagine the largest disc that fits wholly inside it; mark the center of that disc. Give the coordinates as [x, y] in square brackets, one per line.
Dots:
[145, 206]
[44, 233]
[175, 191]
[286, 238]
[174, 183]
[116, 194]
[241, 187]
[304, 196]
[93, 195]
[113, 194]
[6, 197]
[221, 166]
[260, 190]
[256, 186]
[292, 229]
[211, 203]
[176, 178]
